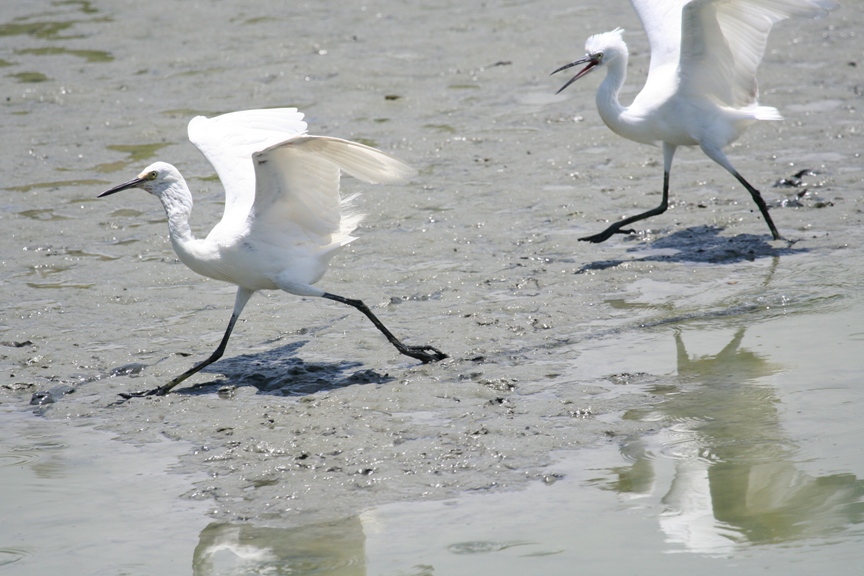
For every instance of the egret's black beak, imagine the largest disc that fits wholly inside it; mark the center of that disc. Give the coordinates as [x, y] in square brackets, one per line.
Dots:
[124, 186]
[592, 62]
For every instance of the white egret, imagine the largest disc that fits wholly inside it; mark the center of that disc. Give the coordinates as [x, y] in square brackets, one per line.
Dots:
[701, 86]
[284, 218]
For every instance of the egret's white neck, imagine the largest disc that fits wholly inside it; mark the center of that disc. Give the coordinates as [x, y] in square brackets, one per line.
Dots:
[608, 106]
[177, 201]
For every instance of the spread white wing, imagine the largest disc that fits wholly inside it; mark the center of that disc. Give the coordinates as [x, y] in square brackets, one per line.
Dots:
[229, 141]
[712, 48]
[723, 42]
[297, 188]
[661, 20]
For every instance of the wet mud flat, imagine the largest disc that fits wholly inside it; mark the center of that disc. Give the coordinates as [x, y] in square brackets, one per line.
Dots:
[311, 416]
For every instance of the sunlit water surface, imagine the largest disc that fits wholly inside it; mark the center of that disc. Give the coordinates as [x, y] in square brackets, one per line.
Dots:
[76, 501]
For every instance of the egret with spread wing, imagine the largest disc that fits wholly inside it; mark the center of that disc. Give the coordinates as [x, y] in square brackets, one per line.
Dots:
[701, 86]
[284, 218]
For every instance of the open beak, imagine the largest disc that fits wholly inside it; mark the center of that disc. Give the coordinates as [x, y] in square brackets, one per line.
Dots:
[592, 61]
[124, 186]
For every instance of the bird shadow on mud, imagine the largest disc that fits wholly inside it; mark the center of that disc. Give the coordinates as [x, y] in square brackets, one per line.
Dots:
[701, 244]
[281, 372]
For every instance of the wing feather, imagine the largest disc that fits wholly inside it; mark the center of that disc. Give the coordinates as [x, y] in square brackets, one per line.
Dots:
[723, 42]
[297, 191]
[229, 141]
[662, 23]
[358, 160]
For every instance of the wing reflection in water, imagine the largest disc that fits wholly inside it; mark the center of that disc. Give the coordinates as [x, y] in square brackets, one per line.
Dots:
[729, 471]
[335, 548]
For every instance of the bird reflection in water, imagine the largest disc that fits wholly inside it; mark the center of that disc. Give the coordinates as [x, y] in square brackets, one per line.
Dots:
[730, 473]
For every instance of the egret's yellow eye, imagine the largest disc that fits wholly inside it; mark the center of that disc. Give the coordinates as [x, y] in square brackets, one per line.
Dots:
[151, 175]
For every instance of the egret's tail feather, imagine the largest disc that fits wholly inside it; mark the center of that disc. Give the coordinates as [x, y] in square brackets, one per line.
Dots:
[349, 221]
[766, 113]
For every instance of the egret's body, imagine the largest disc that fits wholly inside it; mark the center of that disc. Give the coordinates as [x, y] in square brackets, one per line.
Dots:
[701, 85]
[284, 218]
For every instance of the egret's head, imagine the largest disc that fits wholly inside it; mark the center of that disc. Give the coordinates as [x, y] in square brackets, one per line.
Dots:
[155, 179]
[600, 49]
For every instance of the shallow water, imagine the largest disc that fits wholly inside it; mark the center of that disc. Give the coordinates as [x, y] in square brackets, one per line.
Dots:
[692, 389]
[75, 499]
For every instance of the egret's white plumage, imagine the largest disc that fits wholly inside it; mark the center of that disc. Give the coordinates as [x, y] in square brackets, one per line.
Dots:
[701, 86]
[284, 218]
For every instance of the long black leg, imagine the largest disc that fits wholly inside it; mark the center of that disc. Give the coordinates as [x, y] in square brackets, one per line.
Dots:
[165, 388]
[668, 155]
[616, 228]
[240, 301]
[718, 156]
[760, 202]
[425, 354]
